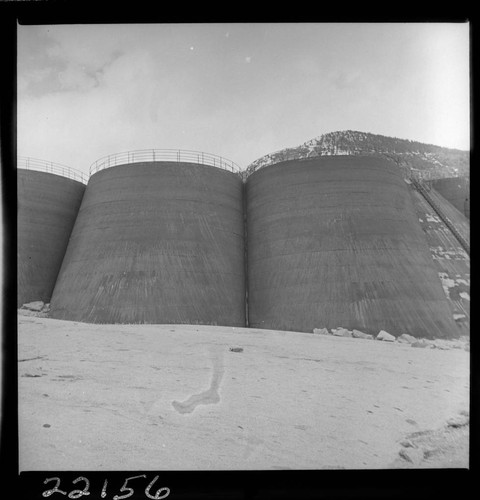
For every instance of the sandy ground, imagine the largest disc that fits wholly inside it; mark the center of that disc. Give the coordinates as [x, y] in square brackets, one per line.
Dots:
[176, 397]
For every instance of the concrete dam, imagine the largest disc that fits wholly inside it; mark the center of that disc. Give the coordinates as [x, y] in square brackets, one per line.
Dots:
[335, 240]
[48, 204]
[157, 242]
[456, 190]
[183, 237]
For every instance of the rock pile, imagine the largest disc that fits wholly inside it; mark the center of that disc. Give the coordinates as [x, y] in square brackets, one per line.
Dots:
[405, 338]
[360, 335]
[320, 331]
[341, 332]
[436, 447]
[36, 308]
[385, 336]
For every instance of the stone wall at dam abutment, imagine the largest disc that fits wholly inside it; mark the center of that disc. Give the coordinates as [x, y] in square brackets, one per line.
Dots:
[335, 241]
[47, 209]
[156, 242]
[455, 190]
[449, 257]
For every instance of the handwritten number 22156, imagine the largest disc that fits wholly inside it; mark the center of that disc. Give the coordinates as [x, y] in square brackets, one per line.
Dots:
[159, 495]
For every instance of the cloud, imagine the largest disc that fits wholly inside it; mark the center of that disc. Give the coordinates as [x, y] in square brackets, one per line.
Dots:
[76, 77]
[90, 46]
[344, 79]
[88, 91]
[130, 102]
[50, 61]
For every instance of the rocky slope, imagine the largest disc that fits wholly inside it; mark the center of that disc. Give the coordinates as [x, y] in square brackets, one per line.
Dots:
[427, 160]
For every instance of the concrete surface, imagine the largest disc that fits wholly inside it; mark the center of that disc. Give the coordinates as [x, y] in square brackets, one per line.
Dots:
[448, 256]
[47, 208]
[335, 241]
[455, 190]
[457, 218]
[184, 397]
[156, 243]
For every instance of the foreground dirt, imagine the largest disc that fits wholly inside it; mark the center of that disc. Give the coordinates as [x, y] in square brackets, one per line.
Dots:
[183, 397]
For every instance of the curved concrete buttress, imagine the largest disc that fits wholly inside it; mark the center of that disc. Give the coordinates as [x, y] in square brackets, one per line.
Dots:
[156, 242]
[456, 191]
[334, 241]
[47, 207]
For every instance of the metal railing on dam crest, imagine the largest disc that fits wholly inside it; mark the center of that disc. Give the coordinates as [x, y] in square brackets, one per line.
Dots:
[164, 155]
[50, 167]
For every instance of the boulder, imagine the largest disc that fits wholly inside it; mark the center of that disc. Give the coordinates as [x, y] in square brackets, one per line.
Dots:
[405, 338]
[341, 332]
[361, 335]
[320, 331]
[420, 343]
[458, 421]
[26, 312]
[446, 344]
[412, 455]
[383, 335]
[236, 349]
[34, 306]
[442, 344]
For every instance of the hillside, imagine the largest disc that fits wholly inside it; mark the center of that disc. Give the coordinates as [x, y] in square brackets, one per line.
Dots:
[428, 160]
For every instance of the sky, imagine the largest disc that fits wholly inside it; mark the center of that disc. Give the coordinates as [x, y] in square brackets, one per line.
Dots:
[236, 90]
